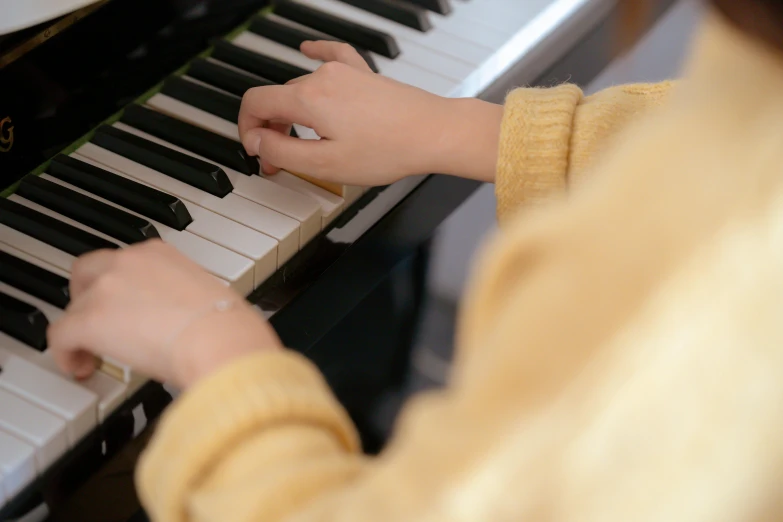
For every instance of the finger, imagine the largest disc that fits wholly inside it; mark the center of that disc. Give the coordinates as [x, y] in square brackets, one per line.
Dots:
[88, 268]
[328, 51]
[66, 339]
[272, 102]
[282, 128]
[285, 152]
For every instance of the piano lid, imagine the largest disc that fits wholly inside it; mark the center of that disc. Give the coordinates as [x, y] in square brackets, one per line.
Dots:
[21, 14]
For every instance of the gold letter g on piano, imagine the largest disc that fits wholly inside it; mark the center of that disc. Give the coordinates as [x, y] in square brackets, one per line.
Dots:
[6, 134]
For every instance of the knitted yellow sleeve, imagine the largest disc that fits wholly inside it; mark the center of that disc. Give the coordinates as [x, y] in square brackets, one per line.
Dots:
[551, 136]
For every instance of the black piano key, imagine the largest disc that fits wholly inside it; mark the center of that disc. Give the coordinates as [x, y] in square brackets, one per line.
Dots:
[357, 34]
[23, 321]
[405, 14]
[212, 146]
[187, 169]
[436, 6]
[34, 280]
[127, 193]
[54, 232]
[368, 59]
[110, 220]
[294, 36]
[230, 80]
[220, 104]
[255, 63]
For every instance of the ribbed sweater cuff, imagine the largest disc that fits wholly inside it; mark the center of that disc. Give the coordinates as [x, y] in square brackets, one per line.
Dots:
[534, 145]
[248, 395]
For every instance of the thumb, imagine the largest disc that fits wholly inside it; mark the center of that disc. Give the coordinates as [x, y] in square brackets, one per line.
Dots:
[251, 142]
[313, 157]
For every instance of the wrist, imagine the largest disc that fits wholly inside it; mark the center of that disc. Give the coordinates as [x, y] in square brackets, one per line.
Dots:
[468, 139]
[209, 344]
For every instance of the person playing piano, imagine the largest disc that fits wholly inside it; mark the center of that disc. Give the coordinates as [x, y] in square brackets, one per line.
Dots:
[620, 350]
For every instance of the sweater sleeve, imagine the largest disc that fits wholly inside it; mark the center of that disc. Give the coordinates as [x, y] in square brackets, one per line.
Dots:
[551, 136]
[263, 439]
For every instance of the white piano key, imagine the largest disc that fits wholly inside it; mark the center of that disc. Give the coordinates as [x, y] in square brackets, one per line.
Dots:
[17, 465]
[235, 68]
[440, 42]
[305, 133]
[51, 312]
[190, 114]
[429, 51]
[33, 260]
[20, 349]
[243, 240]
[415, 71]
[43, 210]
[505, 17]
[136, 383]
[468, 28]
[257, 217]
[465, 28]
[259, 190]
[331, 204]
[35, 248]
[111, 392]
[217, 260]
[78, 406]
[249, 243]
[261, 45]
[207, 85]
[416, 76]
[397, 69]
[45, 431]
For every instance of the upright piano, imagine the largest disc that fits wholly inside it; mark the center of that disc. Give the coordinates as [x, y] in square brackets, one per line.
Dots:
[118, 124]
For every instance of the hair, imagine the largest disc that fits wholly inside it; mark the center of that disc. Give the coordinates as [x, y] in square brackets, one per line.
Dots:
[762, 19]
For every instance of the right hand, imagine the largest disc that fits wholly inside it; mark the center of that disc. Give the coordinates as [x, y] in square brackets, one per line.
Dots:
[374, 130]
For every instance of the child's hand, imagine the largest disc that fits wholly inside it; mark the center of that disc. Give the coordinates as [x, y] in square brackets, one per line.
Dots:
[374, 130]
[150, 307]
[327, 51]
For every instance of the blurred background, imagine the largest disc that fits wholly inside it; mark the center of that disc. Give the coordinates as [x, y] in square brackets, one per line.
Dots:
[658, 56]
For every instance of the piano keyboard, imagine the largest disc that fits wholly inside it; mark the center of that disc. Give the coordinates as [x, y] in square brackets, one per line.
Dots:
[172, 167]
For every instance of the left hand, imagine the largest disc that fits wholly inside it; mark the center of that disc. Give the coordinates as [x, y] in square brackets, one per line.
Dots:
[127, 304]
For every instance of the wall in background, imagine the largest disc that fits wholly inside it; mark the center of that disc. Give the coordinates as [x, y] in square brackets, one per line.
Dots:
[657, 57]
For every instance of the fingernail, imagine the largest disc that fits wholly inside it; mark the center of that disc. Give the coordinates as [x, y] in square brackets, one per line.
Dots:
[254, 143]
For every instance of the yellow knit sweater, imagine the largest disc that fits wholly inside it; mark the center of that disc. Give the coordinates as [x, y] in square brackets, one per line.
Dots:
[620, 354]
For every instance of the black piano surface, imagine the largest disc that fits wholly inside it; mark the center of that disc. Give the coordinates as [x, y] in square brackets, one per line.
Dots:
[54, 93]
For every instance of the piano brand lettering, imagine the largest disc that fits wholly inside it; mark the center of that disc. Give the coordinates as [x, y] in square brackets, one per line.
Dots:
[6, 134]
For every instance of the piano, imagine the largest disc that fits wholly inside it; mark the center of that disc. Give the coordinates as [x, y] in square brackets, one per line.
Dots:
[118, 124]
